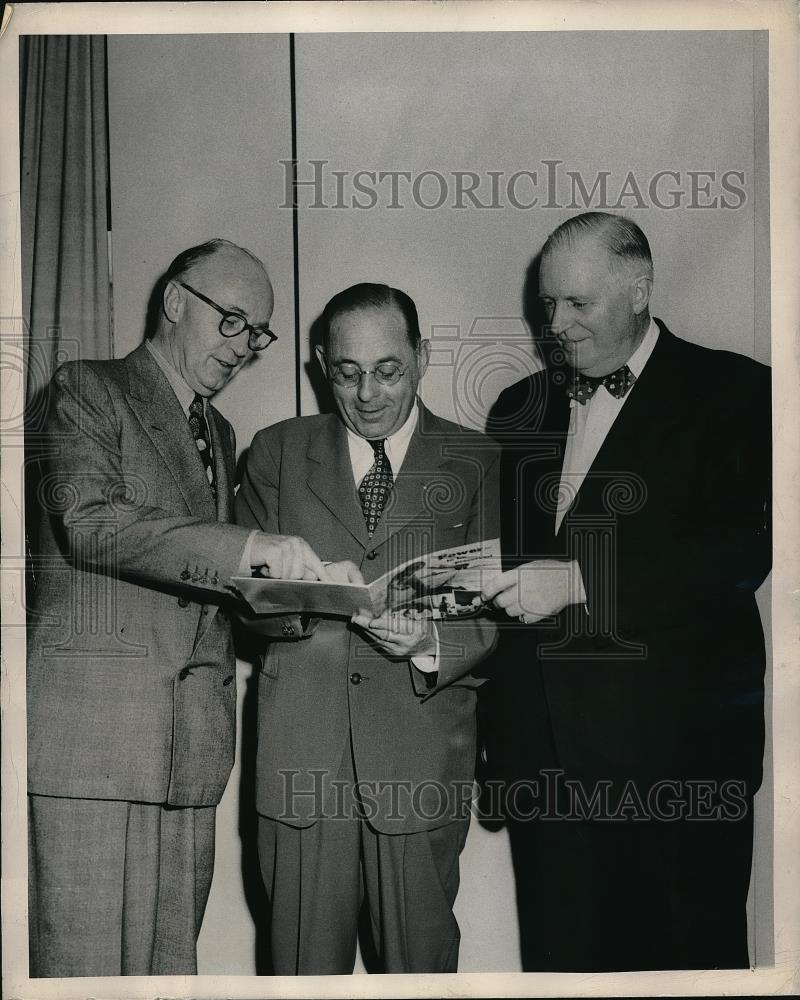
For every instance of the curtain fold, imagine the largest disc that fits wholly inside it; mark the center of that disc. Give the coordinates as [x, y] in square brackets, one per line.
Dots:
[64, 204]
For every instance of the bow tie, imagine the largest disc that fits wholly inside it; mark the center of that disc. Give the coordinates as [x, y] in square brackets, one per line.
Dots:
[583, 387]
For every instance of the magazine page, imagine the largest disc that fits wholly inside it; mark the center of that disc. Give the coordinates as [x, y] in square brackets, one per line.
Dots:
[272, 597]
[442, 584]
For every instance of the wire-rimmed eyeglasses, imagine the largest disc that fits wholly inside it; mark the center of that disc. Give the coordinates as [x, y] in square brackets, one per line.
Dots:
[349, 375]
[232, 323]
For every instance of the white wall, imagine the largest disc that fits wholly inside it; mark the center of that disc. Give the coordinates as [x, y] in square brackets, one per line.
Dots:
[199, 125]
[616, 102]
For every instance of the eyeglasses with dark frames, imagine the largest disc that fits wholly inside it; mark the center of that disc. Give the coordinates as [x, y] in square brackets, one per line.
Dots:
[232, 324]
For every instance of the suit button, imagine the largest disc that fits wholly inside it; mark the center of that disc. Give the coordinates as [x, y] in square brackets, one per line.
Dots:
[183, 602]
[355, 678]
[227, 680]
[287, 629]
[184, 673]
[372, 555]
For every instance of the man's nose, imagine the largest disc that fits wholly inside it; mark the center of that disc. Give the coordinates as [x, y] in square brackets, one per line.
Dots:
[366, 386]
[559, 319]
[241, 344]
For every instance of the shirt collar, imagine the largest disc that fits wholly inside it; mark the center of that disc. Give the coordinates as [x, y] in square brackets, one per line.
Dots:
[182, 390]
[638, 359]
[400, 438]
[641, 355]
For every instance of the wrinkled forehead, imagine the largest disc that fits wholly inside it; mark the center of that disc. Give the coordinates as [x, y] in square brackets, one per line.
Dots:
[368, 334]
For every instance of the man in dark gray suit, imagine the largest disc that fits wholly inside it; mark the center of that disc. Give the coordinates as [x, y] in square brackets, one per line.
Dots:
[366, 743]
[131, 680]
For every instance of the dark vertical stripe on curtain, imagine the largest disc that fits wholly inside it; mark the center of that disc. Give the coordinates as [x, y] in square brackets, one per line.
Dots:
[63, 194]
[295, 226]
[64, 203]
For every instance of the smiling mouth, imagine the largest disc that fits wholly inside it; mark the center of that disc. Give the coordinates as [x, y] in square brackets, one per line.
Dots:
[371, 413]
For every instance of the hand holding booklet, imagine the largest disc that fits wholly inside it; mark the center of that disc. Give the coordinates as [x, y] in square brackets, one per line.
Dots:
[442, 584]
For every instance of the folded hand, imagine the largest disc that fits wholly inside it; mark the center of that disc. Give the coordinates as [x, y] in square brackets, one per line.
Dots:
[402, 634]
[536, 590]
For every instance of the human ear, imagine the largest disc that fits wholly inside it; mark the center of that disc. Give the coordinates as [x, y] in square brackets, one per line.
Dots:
[641, 289]
[172, 302]
[423, 356]
[320, 352]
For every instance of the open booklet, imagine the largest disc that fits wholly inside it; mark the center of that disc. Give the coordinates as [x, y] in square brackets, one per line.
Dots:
[443, 584]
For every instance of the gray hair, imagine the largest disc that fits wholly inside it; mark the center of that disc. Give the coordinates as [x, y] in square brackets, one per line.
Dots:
[622, 238]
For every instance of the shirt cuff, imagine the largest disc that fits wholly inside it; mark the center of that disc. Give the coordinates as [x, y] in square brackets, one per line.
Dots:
[428, 664]
[245, 569]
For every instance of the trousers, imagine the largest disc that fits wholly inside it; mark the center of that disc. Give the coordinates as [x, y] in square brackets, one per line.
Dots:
[616, 896]
[317, 878]
[116, 888]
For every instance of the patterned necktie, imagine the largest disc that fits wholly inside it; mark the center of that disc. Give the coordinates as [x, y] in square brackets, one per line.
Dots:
[583, 387]
[375, 487]
[197, 422]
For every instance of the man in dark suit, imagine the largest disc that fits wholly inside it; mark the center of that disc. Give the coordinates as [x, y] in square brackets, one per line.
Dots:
[367, 728]
[131, 680]
[627, 724]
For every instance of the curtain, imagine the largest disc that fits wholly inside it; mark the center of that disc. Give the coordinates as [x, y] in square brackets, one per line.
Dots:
[64, 205]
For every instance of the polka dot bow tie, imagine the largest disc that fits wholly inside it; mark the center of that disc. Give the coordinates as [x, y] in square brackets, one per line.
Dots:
[583, 387]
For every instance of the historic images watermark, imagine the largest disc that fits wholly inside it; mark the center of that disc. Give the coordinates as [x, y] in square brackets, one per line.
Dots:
[550, 796]
[316, 184]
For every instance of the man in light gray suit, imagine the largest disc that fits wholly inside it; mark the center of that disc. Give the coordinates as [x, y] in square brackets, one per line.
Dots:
[131, 671]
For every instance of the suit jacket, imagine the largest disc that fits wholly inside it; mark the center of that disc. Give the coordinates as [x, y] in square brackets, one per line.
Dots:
[413, 746]
[663, 678]
[131, 680]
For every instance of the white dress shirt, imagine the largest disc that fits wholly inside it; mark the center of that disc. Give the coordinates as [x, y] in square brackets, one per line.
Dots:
[362, 458]
[589, 424]
[182, 390]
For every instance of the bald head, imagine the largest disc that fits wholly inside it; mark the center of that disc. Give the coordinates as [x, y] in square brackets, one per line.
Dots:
[202, 286]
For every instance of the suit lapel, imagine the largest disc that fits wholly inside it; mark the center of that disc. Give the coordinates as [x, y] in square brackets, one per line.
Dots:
[425, 463]
[156, 407]
[650, 406]
[331, 477]
[549, 470]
